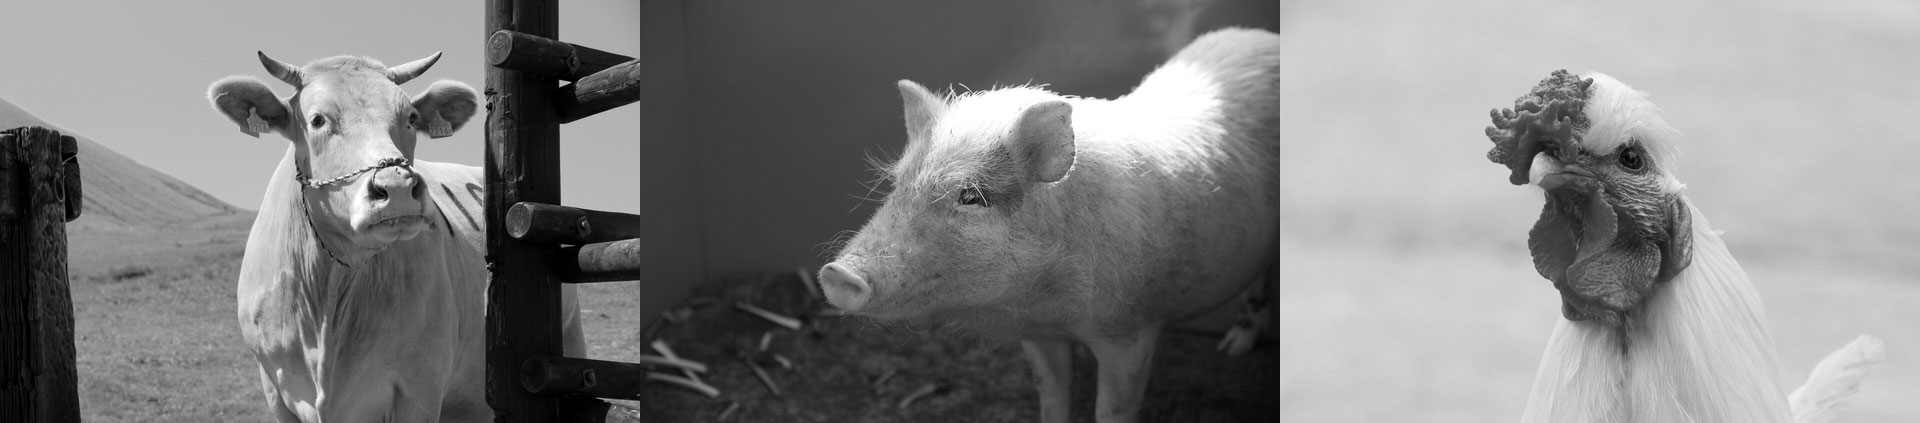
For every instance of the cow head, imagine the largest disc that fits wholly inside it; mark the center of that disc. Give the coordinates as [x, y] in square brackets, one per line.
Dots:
[353, 131]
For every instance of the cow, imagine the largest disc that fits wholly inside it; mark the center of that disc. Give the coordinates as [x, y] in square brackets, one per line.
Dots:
[362, 292]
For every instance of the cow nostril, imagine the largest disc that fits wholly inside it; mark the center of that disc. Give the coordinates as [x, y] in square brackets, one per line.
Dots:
[377, 192]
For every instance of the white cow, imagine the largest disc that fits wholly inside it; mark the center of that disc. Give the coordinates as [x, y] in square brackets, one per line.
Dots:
[363, 289]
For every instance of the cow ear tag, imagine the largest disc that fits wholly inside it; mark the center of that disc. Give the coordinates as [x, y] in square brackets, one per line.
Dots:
[255, 125]
[438, 127]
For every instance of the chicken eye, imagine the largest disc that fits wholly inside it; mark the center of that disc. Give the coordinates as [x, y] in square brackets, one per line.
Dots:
[318, 121]
[1630, 158]
[973, 197]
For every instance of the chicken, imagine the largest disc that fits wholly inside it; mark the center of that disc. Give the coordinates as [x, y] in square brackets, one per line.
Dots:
[1661, 324]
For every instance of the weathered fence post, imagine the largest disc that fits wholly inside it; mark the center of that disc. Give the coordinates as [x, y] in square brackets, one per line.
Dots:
[525, 107]
[39, 193]
[523, 164]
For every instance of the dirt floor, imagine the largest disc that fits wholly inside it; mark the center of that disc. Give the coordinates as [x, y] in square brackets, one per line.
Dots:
[850, 369]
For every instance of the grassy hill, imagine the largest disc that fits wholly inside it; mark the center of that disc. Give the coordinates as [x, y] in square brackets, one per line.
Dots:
[123, 194]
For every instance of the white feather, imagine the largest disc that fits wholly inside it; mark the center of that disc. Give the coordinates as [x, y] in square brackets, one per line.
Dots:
[1699, 349]
[1835, 379]
[1617, 114]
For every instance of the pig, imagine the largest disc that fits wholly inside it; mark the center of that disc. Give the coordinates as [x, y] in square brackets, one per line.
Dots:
[1056, 219]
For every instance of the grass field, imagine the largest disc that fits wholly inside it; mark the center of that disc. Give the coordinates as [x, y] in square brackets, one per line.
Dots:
[158, 340]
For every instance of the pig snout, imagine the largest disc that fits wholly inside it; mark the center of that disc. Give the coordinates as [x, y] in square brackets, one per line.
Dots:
[844, 287]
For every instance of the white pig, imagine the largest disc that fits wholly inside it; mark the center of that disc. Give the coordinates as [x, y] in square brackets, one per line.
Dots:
[1055, 219]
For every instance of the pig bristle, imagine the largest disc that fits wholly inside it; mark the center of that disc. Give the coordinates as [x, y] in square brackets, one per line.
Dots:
[968, 143]
[832, 247]
[882, 165]
[879, 187]
[1089, 254]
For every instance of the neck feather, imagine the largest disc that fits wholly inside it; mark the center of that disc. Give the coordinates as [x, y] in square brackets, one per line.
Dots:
[1698, 352]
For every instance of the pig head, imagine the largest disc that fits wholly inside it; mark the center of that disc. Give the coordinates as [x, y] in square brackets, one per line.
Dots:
[963, 234]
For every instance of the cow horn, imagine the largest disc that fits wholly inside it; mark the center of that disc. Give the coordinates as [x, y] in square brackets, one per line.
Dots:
[282, 70]
[407, 71]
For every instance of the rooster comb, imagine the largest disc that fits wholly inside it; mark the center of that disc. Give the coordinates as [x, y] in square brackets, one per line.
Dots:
[1550, 117]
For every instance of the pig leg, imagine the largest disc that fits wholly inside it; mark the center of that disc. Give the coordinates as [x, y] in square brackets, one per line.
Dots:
[1052, 361]
[1125, 365]
[1256, 309]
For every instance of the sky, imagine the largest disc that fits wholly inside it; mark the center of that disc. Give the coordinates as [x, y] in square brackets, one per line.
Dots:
[134, 76]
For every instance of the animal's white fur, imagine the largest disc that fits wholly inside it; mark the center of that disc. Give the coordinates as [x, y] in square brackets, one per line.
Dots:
[1617, 114]
[1836, 378]
[395, 333]
[1167, 212]
[1699, 351]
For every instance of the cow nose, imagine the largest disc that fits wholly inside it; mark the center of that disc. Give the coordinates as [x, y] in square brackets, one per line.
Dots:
[392, 180]
[844, 287]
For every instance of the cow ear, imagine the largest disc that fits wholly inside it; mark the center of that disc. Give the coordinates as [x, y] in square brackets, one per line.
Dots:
[1044, 139]
[922, 108]
[249, 103]
[445, 107]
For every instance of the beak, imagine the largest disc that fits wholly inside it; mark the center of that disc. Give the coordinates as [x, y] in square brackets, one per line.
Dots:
[1550, 173]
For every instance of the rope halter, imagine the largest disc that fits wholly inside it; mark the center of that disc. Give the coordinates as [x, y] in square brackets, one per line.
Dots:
[307, 182]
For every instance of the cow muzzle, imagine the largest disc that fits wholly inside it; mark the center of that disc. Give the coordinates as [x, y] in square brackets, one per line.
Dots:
[389, 207]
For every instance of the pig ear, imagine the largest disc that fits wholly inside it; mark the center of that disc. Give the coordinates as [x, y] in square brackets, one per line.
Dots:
[248, 103]
[1045, 140]
[445, 107]
[922, 108]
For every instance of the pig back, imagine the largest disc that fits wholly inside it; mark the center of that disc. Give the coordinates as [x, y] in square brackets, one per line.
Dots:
[1184, 178]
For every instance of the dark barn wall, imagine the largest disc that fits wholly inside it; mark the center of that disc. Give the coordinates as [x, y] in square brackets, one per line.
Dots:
[757, 132]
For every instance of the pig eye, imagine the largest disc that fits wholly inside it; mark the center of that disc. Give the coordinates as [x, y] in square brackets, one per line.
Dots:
[972, 197]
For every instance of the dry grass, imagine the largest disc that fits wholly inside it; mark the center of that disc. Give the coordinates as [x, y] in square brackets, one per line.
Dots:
[165, 346]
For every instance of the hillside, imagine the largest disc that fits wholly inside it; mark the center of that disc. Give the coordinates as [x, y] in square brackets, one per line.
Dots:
[121, 193]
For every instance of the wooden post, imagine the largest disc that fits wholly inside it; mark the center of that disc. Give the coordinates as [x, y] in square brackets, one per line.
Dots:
[579, 376]
[548, 57]
[70, 156]
[553, 224]
[600, 262]
[604, 90]
[37, 377]
[522, 164]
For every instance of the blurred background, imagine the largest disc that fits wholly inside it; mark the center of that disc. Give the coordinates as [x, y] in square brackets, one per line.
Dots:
[1407, 292]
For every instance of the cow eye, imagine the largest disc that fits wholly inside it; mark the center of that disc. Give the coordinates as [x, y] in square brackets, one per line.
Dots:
[1630, 158]
[318, 121]
[413, 120]
[972, 197]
